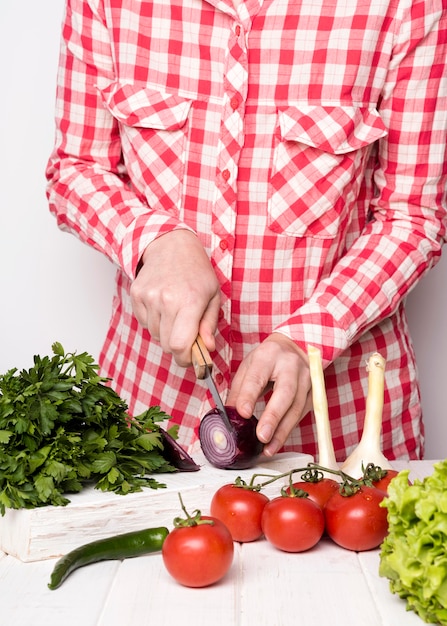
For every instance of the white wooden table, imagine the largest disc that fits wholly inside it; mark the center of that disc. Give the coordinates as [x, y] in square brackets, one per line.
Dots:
[264, 587]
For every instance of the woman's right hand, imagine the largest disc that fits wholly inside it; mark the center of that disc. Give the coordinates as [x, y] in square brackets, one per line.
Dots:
[176, 294]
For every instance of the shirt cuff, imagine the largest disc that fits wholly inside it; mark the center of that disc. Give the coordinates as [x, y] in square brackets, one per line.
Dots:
[314, 325]
[144, 230]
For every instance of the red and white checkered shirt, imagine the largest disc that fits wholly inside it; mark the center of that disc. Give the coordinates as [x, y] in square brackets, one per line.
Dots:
[304, 141]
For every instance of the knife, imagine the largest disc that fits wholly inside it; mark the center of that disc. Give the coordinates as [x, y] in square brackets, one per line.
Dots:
[203, 366]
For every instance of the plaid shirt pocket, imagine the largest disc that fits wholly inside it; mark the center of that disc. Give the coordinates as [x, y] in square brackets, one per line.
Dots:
[153, 130]
[318, 164]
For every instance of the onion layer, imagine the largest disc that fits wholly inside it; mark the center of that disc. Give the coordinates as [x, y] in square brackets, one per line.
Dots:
[176, 455]
[235, 448]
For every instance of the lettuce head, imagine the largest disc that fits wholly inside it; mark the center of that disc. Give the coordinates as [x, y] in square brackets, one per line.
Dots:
[413, 556]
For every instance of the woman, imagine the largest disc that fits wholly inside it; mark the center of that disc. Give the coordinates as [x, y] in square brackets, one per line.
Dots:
[267, 174]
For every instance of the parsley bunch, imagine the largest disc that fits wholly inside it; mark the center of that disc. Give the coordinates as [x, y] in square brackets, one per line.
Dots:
[62, 426]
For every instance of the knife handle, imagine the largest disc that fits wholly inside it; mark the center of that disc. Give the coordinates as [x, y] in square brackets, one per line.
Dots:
[201, 358]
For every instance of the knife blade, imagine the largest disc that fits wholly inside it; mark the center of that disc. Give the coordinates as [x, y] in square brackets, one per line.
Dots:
[203, 366]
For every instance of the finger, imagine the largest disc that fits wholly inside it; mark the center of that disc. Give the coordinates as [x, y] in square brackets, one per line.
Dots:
[148, 315]
[154, 321]
[185, 328]
[188, 323]
[247, 387]
[183, 333]
[138, 306]
[166, 326]
[282, 408]
[288, 422]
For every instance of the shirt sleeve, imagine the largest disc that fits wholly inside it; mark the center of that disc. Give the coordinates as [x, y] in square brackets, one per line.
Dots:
[407, 225]
[88, 189]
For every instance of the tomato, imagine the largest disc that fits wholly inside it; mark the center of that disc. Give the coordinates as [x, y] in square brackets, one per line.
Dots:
[383, 483]
[357, 522]
[198, 555]
[240, 509]
[320, 491]
[292, 524]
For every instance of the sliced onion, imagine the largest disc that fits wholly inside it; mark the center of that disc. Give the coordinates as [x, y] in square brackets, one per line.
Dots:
[176, 455]
[238, 448]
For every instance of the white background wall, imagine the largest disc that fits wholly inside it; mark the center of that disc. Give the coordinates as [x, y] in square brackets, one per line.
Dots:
[54, 288]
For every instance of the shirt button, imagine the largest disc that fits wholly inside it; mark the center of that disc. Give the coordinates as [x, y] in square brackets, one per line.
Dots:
[220, 314]
[223, 245]
[237, 30]
[226, 175]
[234, 103]
[219, 378]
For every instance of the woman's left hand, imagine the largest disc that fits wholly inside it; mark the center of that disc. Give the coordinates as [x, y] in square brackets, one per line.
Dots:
[277, 363]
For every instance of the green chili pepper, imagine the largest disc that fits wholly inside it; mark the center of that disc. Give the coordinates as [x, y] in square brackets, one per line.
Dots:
[118, 547]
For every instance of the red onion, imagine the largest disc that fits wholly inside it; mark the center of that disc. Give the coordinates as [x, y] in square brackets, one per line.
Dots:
[235, 448]
[176, 455]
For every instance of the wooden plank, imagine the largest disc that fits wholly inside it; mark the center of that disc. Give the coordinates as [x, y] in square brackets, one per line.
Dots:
[143, 592]
[391, 608]
[321, 586]
[26, 599]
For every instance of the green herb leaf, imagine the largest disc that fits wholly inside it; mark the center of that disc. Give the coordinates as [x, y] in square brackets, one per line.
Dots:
[149, 441]
[104, 462]
[5, 436]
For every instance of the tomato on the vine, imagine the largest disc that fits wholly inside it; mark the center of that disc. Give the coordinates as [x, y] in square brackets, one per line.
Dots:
[383, 483]
[379, 477]
[319, 491]
[292, 523]
[240, 509]
[198, 553]
[357, 522]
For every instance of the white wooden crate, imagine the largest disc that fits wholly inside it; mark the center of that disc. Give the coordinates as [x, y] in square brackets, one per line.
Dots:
[48, 532]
